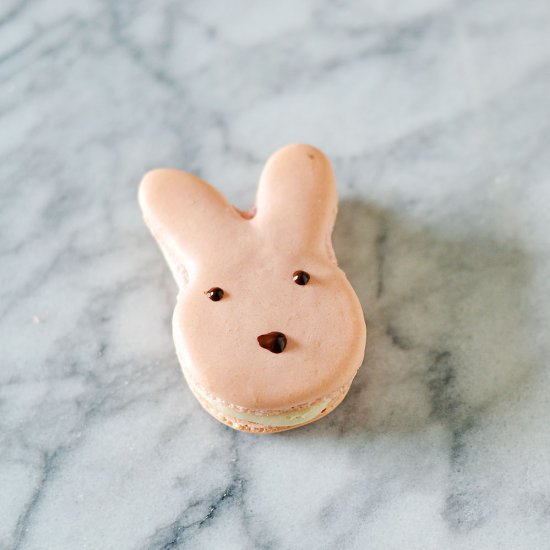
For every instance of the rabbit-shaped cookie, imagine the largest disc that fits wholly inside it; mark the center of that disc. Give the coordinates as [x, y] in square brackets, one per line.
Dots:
[268, 330]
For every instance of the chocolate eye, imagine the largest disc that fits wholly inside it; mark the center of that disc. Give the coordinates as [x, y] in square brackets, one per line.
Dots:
[215, 294]
[300, 277]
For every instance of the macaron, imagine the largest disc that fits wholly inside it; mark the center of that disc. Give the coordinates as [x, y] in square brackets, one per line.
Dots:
[268, 331]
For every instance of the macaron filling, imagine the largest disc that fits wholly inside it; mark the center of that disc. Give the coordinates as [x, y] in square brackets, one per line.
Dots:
[281, 420]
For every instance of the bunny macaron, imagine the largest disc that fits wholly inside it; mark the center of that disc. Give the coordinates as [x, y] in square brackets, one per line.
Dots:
[268, 331]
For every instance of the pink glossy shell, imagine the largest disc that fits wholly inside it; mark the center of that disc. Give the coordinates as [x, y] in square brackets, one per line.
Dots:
[208, 243]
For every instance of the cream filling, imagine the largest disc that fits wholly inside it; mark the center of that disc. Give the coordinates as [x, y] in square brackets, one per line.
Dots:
[274, 420]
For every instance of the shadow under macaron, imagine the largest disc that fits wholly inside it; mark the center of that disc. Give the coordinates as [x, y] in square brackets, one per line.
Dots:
[448, 330]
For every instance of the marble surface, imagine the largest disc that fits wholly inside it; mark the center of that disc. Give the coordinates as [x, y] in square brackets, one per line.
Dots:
[436, 114]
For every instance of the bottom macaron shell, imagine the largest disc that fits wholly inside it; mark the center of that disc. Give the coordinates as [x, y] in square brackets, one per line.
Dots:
[253, 427]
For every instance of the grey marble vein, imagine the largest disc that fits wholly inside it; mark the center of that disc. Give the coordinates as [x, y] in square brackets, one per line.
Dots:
[436, 115]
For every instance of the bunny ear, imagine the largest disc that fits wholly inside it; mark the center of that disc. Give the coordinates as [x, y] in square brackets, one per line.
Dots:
[297, 200]
[188, 217]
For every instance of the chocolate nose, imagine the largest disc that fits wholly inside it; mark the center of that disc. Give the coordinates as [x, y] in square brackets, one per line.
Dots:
[273, 341]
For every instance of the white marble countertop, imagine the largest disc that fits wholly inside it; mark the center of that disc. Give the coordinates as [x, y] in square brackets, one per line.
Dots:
[436, 114]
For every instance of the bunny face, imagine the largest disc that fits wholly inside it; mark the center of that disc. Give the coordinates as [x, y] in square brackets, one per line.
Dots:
[264, 319]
